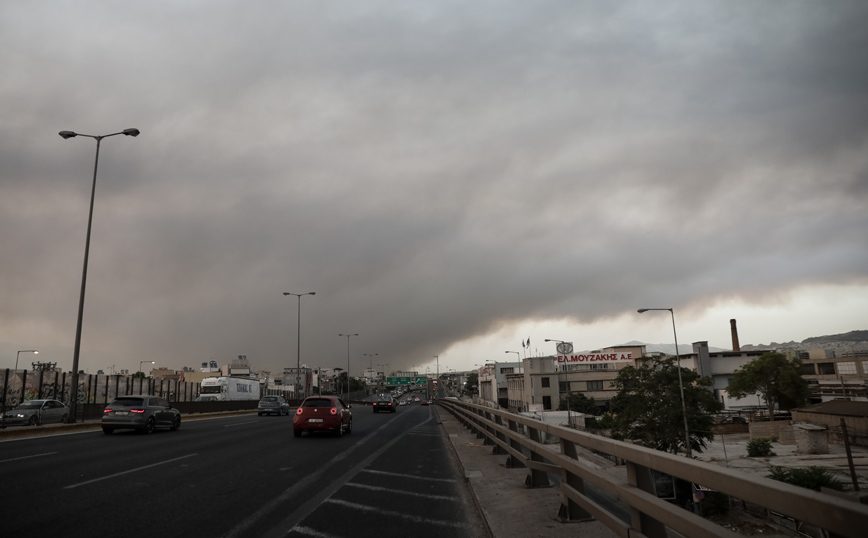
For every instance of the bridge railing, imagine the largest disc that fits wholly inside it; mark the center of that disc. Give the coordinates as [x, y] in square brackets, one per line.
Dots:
[515, 436]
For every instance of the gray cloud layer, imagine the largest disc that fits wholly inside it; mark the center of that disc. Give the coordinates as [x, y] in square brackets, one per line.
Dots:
[432, 171]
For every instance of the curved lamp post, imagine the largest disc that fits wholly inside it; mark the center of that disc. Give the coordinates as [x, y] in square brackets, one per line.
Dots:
[348, 360]
[35, 352]
[680, 383]
[298, 350]
[143, 362]
[73, 393]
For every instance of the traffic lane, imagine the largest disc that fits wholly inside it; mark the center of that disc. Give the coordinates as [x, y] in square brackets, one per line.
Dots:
[203, 479]
[94, 477]
[412, 486]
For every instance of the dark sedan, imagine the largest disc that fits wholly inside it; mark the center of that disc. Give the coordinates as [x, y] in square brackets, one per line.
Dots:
[385, 403]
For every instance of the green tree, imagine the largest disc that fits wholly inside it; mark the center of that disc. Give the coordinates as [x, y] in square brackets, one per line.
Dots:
[775, 377]
[472, 382]
[579, 403]
[648, 406]
[139, 375]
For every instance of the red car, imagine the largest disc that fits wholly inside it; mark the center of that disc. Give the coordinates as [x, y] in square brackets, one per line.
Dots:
[322, 414]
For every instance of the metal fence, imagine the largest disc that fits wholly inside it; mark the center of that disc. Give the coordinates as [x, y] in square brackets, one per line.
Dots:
[519, 438]
[93, 390]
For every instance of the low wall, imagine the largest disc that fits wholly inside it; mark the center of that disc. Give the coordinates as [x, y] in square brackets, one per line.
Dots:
[782, 429]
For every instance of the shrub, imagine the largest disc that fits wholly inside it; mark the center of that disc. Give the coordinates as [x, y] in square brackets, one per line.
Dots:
[759, 448]
[812, 477]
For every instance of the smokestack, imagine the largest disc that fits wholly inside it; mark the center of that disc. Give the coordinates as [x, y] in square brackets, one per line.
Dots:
[735, 347]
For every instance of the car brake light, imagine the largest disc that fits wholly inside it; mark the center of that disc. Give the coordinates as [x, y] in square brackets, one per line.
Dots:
[333, 411]
[107, 410]
[137, 410]
[298, 411]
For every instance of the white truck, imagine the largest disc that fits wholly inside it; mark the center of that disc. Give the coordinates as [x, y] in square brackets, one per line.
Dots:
[228, 388]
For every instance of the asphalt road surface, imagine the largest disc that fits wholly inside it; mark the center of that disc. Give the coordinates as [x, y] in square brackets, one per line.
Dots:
[241, 476]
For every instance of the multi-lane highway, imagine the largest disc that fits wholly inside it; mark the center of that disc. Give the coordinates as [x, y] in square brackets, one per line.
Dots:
[241, 476]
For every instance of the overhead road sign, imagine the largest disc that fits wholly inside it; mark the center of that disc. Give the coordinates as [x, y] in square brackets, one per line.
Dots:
[399, 381]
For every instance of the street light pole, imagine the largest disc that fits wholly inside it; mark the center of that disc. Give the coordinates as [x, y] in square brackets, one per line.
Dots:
[680, 382]
[564, 344]
[73, 393]
[143, 362]
[348, 360]
[298, 340]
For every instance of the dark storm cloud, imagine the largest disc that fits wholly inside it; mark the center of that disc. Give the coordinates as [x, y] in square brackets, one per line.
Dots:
[432, 171]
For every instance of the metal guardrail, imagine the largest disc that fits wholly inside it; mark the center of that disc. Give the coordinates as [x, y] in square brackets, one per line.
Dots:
[649, 515]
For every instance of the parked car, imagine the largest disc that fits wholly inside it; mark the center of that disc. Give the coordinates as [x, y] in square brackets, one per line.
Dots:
[322, 414]
[141, 413]
[273, 404]
[36, 412]
[385, 403]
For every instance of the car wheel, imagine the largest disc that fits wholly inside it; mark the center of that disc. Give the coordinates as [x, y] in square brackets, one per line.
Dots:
[176, 423]
[107, 430]
[34, 421]
[350, 427]
[340, 431]
[296, 433]
[149, 426]
[260, 414]
[63, 419]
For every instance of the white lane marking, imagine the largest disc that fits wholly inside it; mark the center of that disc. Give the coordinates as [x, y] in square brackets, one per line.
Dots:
[403, 493]
[401, 475]
[310, 532]
[27, 457]
[390, 513]
[241, 528]
[239, 424]
[129, 471]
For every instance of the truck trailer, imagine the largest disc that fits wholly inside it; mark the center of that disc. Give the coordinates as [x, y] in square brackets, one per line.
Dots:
[228, 388]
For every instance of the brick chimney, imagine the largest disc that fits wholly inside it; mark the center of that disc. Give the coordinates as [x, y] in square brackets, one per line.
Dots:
[735, 347]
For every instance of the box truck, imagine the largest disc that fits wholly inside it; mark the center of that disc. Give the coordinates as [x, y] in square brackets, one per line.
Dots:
[228, 388]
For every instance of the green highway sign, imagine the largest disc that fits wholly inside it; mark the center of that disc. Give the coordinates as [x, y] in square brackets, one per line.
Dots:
[395, 381]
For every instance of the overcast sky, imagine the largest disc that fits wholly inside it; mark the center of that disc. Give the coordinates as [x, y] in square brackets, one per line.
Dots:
[450, 178]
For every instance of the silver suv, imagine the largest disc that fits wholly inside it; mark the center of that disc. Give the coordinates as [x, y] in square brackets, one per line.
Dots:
[142, 413]
[273, 404]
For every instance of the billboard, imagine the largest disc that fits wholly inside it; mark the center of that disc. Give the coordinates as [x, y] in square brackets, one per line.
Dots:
[589, 358]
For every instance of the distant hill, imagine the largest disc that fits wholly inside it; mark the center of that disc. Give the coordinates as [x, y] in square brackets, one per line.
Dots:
[839, 343]
[852, 336]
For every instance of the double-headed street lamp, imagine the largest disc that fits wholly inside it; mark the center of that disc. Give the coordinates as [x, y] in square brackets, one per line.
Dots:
[73, 393]
[298, 350]
[518, 355]
[348, 360]
[680, 383]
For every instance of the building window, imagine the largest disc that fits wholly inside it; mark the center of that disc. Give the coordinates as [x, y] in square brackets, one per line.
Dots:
[545, 382]
[847, 368]
[826, 368]
[507, 370]
[604, 366]
[808, 368]
[547, 402]
[595, 385]
[563, 386]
